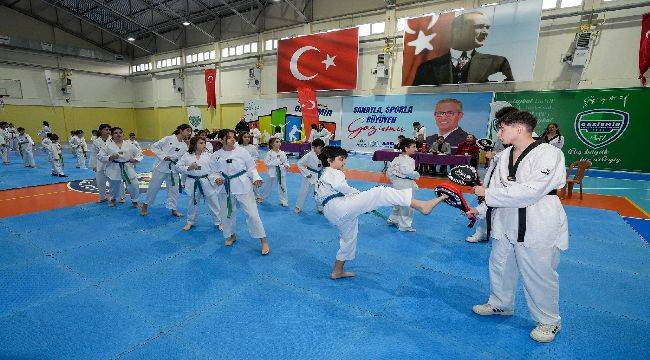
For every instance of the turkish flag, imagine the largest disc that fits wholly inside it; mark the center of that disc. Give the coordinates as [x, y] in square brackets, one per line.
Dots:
[309, 108]
[425, 38]
[210, 81]
[325, 61]
[644, 48]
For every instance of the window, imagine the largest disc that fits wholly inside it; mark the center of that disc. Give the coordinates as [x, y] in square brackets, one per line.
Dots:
[173, 62]
[549, 4]
[378, 28]
[200, 56]
[188, 59]
[268, 45]
[570, 3]
[254, 47]
[231, 51]
[401, 24]
[275, 44]
[239, 50]
[134, 68]
[364, 30]
[247, 48]
[224, 52]
[213, 55]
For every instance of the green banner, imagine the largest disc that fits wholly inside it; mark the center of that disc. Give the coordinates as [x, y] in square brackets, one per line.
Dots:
[610, 127]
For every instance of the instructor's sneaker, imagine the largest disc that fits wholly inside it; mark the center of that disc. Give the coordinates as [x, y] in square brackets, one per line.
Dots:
[487, 309]
[545, 332]
[477, 238]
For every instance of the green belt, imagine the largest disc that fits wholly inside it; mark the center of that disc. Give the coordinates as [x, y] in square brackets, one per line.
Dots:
[226, 184]
[180, 188]
[278, 173]
[197, 185]
[123, 173]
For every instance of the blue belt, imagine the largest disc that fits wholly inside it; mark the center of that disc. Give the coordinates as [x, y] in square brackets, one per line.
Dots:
[197, 185]
[332, 197]
[226, 184]
[318, 172]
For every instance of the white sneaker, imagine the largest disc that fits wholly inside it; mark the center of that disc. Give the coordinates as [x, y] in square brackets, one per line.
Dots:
[408, 229]
[545, 332]
[477, 238]
[487, 309]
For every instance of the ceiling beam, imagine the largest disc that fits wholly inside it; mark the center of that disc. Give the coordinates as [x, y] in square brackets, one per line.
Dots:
[295, 8]
[129, 19]
[238, 14]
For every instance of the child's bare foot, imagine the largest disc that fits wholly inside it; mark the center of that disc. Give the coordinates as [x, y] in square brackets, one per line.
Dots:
[176, 213]
[111, 203]
[231, 240]
[425, 207]
[341, 275]
[143, 209]
[265, 247]
[297, 210]
[187, 226]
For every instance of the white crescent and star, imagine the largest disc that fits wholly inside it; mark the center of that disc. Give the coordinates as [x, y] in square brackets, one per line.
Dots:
[423, 41]
[295, 58]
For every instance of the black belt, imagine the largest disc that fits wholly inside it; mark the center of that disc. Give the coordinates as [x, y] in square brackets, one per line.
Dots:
[521, 229]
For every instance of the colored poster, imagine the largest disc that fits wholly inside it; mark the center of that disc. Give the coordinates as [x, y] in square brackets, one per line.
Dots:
[269, 115]
[487, 44]
[374, 122]
[194, 117]
[606, 126]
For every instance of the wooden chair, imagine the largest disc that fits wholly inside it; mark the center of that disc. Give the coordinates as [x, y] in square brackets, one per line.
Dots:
[583, 166]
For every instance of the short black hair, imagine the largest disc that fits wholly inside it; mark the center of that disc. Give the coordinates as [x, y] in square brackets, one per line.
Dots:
[317, 143]
[131, 134]
[505, 111]
[223, 133]
[20, 129]
[405, 143]
[53, 137]
[331, 152]
[417, 123]
[518, 117]
[104, 126]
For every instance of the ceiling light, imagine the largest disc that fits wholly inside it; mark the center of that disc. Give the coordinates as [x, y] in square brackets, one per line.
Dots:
[131, 39]
[186, 23]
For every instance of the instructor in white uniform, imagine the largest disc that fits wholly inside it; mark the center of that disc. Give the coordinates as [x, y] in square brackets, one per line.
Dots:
[528, 225]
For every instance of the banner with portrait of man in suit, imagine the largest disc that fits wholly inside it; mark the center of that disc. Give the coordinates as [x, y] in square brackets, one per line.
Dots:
[489, 44]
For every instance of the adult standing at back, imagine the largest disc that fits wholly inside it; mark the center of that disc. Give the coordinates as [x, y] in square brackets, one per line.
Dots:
[552, 136]
[168, 151]
[242, 126]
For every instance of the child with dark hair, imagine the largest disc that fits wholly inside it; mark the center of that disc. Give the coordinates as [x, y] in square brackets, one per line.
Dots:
[277, 164]
[245, 142]
[236, 175]
[56, 156]
[402, 174]
[342, 204]
[79, 147]
[26, 148]
[196, 165]
[99, 166]
[310, 167]
[399, 140]
[119, 157]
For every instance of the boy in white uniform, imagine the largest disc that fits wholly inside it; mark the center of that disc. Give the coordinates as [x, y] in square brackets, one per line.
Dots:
[92, 155]
[56, 156]
[26, 148]
[402, 174]
[236, 171]
[528, 225]
[4, 143]
[119, 157]
[310, 167]
[343, 204]
[324, 134]
[100, 166]
[256, 135]
[80, 148]
[277, 164]
[168, 151]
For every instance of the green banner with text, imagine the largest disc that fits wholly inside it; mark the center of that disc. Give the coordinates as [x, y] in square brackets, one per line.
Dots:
[610, 127]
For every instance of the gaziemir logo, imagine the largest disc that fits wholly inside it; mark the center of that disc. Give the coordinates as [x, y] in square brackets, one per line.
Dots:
[600, 127]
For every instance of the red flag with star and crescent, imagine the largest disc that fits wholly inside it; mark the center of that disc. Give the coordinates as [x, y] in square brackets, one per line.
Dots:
[644, 48]
[425, 38]
[325, 61]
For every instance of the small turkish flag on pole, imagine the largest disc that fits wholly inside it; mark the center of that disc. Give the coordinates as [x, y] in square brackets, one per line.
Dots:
[309, 107]
[210, 81]
[644, 48]
[325, 61]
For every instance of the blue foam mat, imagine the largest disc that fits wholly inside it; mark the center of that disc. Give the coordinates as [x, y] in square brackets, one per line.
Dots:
[120, 285]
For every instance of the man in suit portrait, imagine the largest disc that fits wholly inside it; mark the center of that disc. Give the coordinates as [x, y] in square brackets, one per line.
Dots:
[448, 113]
[463, 64]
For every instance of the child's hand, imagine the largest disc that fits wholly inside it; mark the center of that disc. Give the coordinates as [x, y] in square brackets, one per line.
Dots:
[472, 213]
[113, 157]
[479, 190]
[257, 183]
[193, 166]
[133, 161]
[219, 181]
[308, 176]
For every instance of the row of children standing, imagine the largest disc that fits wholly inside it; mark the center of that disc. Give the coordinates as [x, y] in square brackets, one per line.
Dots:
[16, 139]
